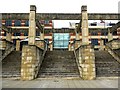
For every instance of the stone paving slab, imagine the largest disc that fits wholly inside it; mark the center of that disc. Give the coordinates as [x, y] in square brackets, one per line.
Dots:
[60, 83]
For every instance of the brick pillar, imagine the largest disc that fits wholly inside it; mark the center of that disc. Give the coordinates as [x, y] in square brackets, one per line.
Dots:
[32, 25]
[110, 36]
[85, 33]
[18, 45]
[9, 37]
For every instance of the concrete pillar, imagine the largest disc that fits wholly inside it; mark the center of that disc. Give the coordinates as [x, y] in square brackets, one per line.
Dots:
[51, 46]
[86, 59]
[18, 45]
[85, 33]
[101, 45]
[118, 33]
[77, 36]
[69, 47]
[110, 36]
[31, 61]
[41, 36]
[9, 37]
[32, 25]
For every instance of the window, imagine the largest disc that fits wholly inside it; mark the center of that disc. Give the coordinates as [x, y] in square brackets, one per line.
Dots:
[17, 23]
[61, 40]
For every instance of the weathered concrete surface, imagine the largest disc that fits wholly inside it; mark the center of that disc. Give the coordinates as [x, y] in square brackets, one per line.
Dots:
[85, 59]
[60, 83]
[113, 44]
[32, 26]
[110, 36]
[59, 63]
[32, 57]
[106, 65]
[18, 45]
[84, 26]
[62, 16]
[11, 65]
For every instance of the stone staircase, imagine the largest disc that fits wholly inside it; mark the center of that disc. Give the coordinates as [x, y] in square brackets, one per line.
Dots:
[5, 53]
[11, 65]
[106, 65]
[59, 63]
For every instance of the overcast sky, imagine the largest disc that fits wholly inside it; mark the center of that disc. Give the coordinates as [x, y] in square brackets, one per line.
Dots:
[59, 6]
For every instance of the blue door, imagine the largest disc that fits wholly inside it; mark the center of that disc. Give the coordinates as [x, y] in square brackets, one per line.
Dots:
[61, 40]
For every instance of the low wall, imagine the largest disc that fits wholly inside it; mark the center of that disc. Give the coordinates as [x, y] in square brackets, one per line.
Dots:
[32, 57]
[111, 46]
[85, 59]
[114, 44]
[7, 48]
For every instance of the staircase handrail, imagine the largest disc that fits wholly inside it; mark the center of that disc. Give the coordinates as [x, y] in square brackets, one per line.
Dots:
[8, 51]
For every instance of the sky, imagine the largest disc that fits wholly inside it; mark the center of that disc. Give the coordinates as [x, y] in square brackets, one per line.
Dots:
[59, 6]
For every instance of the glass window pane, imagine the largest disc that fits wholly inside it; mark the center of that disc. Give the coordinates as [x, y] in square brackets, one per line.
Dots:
[61, 40]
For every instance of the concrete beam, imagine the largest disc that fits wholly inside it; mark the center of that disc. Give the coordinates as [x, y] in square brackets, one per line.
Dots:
[40, 28]
[61, 16]
[79, 26]
[9, 30]
[115, 27]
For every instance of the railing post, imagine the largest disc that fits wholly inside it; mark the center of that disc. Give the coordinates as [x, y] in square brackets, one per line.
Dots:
[18, 45]
[110, 36]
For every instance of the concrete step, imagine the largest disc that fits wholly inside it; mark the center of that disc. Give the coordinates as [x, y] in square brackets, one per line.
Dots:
[11, 65]
[59, 64]
[106, 65]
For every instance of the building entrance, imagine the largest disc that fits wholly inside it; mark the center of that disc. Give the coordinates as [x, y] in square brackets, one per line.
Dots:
[61, 40]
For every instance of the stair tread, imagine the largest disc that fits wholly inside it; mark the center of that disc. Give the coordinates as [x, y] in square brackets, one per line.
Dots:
[60, 64]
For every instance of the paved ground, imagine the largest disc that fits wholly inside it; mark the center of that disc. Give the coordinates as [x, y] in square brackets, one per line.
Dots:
[60, 83]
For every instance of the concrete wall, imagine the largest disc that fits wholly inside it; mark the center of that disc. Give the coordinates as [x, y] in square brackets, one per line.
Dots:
[85, 59]
[32, 57]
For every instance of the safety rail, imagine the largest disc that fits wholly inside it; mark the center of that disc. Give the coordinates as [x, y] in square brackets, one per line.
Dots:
[9, 47]
[76, 53]
[113, 52]
[7, 52]
[42, 44]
